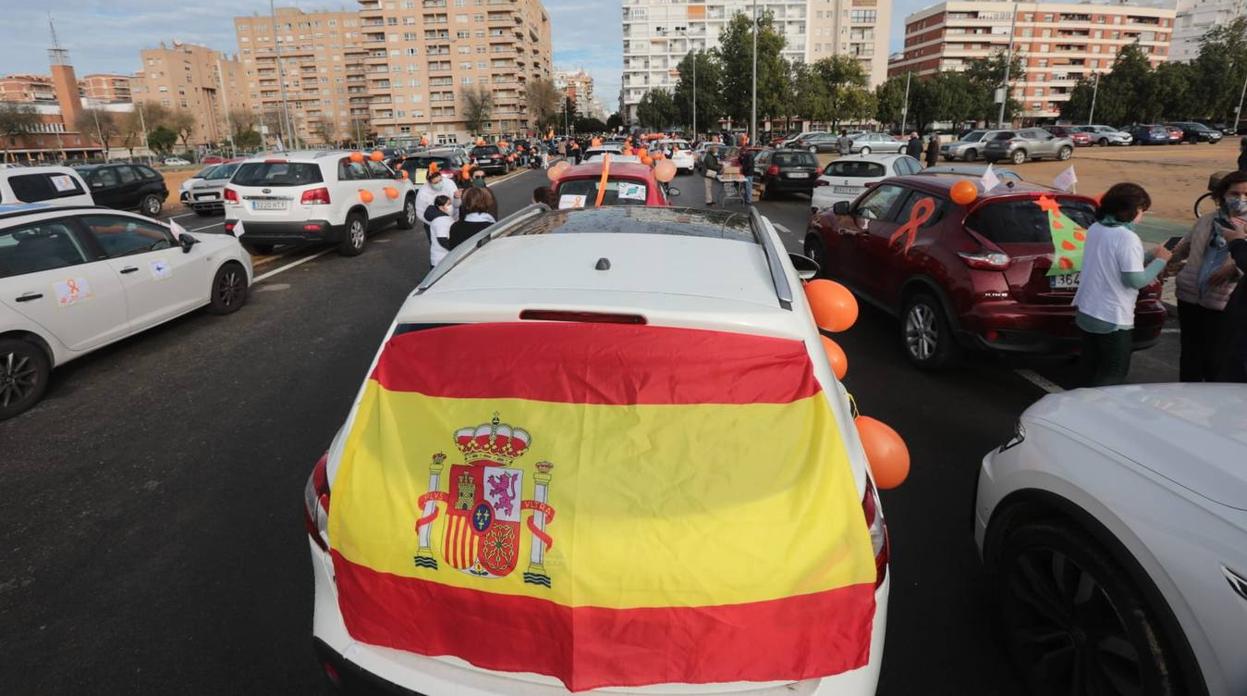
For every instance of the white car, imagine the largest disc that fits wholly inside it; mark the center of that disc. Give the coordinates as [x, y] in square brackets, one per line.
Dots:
[681, 154]
[619, 297]
[50, 185]
[75, 279]
[175, 162]
[1106, 135]
[1113, 526]
[316, 198]
[846, 178]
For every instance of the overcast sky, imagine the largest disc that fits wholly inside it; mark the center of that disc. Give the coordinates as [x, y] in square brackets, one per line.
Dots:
[107, 36]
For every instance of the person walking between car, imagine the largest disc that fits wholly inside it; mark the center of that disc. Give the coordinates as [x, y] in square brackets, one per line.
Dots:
[933, 150]
[479, 210]
[440, 219]
[1205, 283]
[746, 170]
[914, 147]
[711, 167]
[1235, 368]
[436, 184]
[844, 144]
[1113, 271]
[576, 151]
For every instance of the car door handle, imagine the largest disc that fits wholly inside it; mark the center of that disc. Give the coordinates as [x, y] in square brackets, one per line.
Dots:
[30, 297]
[129, 269]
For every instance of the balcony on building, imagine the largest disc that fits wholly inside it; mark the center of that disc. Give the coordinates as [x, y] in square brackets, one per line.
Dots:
[374, 37]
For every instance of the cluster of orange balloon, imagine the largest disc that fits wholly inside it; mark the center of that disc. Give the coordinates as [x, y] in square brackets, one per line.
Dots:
[556, 170]
[835, 309]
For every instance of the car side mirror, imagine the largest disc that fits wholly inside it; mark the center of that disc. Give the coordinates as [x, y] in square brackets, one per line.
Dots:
[187, 242]
[841, 208]
[807, 268]
[673, 192]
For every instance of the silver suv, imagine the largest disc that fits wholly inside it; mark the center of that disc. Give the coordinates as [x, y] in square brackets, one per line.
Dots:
[1028, 143]
[969, 146]
[1106, 135]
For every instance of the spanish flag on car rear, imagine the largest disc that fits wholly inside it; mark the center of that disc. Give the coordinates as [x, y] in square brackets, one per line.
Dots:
[610, 505]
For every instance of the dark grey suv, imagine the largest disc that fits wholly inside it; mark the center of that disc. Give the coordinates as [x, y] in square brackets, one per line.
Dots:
[1017, 146]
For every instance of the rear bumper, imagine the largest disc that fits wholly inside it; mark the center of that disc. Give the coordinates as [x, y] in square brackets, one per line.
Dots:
[498, 168]
[783, 185]
[1045, 330]
[296, 232]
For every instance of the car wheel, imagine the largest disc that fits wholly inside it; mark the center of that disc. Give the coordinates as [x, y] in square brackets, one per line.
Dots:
[151, 205]
[814, 149]
[1019, 156]
[24, 372]
[356, 234]
[1074, 621]
[258, 249]
[407, 219]
[1064, 153]
[229, 289]
[865, 151]
[817, 252]
[971, 155]
[1103, 142]
[925, 334]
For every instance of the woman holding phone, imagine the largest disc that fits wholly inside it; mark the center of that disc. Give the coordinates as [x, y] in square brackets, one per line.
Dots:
[1205, 283]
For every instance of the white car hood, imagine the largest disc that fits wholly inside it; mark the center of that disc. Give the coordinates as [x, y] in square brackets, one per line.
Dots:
[1195, 435]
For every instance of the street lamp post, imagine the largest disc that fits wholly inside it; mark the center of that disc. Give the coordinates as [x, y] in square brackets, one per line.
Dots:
[1095, 91]
[281, 79]
[1238, 110]
[1004, 101]
[753, 113]
[905, 109]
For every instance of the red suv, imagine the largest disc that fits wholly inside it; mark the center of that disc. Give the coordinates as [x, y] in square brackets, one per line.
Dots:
[975, 276]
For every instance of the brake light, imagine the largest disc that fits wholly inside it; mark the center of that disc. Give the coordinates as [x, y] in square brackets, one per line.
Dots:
[317, 196]
[316, 503]
[231, 196]
[274, 161]
[772, 170]
[230, 225]
[587, 317]
[878, 531]
[986, 260]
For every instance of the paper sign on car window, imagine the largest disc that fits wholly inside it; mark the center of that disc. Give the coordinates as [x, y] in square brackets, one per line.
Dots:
[631, 192]
[63, 182]
[568, 200]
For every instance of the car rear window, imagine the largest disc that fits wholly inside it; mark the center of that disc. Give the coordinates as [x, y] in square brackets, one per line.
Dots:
[1023, 221]
[486, 150]
[618, 192]
[795, 159]
[277, 174]
[685, 222]
[223, 171]
[31, 188]
[855, 169]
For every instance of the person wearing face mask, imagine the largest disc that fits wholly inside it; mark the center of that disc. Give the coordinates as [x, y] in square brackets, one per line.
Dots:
[439, 228]
[1113, 271]
[436, 184]
[1205, 282]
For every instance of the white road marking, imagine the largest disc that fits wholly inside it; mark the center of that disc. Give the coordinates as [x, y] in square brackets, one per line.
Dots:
[1171, 331]
[206, 227]
[1040, 381]
[283, 269]
[175, 217]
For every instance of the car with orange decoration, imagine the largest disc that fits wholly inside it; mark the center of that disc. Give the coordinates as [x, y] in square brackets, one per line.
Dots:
[967, 270]
[606, 182]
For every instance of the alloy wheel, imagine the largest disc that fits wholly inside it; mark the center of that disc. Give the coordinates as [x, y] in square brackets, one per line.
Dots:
[357, 234]
[410, 211]
[153, 206]
[18, 378]
[230, 289]
[921, 334]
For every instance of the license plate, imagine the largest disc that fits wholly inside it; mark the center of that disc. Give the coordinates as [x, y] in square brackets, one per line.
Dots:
[1068, 281]
[798, 175]
[844, 189]
[206, 197]
[268, 205]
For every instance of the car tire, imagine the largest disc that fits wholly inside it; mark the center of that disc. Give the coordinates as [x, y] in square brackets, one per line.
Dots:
[1103, 142]
[817, 251]
[814, 149]
[151, 205]
[971, 155]
[1063, 599]
[1018, 156]
[24, 373]
[229, 289]
[355, 236]
[865, 151]
[407, 219]
[1064, 153]
[926, 337]
[258, 249]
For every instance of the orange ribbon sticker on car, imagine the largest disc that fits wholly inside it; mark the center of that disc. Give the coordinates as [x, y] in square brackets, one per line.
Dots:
[921, 212]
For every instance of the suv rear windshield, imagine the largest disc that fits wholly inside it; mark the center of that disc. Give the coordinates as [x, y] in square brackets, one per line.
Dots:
[794, 159]
[221, 171]
[618, 192]
[31, 188]
[685, 222]
[423, 162]
[855, 169]
[1024, 222]
[277, 174]
[485, 150]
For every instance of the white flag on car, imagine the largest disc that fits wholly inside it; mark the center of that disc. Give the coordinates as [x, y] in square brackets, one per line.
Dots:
[238, 229]
[176, 229]
[989, 180]
[1066, 179]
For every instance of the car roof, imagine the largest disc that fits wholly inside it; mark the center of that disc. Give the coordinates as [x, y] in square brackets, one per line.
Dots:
[942, 185]
[629, 169]
[295, 155]
[967, 170]
[45, 169]
[16, 211]
[872, 157]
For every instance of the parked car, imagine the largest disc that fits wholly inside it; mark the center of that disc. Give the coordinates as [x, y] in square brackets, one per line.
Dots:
[681, 154]
[197, 177]
[49, 185]
[845, 178]
[126, 187]
[207, 195]
[550, 302]
[973, 170]
[1176, 134]
[867, 143]
[817, 142]
[1113, 528]
[1196, 132]
[794, 139]
[1027, 144]
[627, 183]
[315, 198]
[212, 159]
[783, 171]
[1081, 138]
[175, 162]
[969, 147]
[1150, 134]
[1106, 135]
[449, 161]
[74, 279]
[490, 159]
[976, 277]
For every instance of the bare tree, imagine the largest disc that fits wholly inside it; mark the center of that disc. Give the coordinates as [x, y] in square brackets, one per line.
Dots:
[326, 131]
[130, 128]
[478, 105]
[16, 119]
[243, 120]
[543, 100]
[182, 122]
[99, 125]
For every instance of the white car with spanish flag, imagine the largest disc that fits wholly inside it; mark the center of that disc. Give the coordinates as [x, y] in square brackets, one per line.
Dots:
[607, 449]
[310, 197]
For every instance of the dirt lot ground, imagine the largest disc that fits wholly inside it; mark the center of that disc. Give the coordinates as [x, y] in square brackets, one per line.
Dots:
[173, 181]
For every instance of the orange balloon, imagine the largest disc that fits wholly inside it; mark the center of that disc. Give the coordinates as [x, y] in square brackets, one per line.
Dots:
[833, 306]
[885, 452]
[357, 157]
[836, 358]
[404, 173]
[963, 192]
[595, 142]
[665, 171]
[377, 155]
[365, 195]
[647, 160]
[556, 171]
[390, 192]
[424, 141]
[643, 152]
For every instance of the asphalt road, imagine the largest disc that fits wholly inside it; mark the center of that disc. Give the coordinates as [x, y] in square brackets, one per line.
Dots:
[151, 531]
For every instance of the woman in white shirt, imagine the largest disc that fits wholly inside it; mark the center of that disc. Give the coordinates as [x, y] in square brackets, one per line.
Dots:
[439, 228]
[1113, 271]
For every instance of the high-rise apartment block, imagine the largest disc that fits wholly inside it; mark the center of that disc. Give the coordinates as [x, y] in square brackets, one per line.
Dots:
[1195, 18]
[106, 88]
[318, 60]
[577, 86]
[657, 34]
[1057, 43]
[197, 79]
[423, 56]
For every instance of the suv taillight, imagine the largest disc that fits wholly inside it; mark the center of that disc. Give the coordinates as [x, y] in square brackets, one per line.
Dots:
[878, 531]
[317, 196]
[772, 170]
[822, 182]
[231, 196]
[316, 504]
[986, 260]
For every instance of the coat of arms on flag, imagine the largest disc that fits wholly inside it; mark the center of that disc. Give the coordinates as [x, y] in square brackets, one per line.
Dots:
[483, 506]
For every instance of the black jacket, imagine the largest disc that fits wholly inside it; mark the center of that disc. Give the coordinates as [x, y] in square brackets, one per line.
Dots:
[1235, 369]
[914, 148]
[462, 231]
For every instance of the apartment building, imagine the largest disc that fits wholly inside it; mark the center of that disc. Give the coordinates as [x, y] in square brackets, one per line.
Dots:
[1058, 43]
[193, 78]
[657, 34]
[33, 89]
[424, 54]
[57, 104]
[103, 88]
[321, 60]
[1195, 18]
[576, 85]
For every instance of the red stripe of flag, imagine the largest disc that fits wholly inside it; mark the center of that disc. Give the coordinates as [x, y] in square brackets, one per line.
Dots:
[793, 638]
[596, 364]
